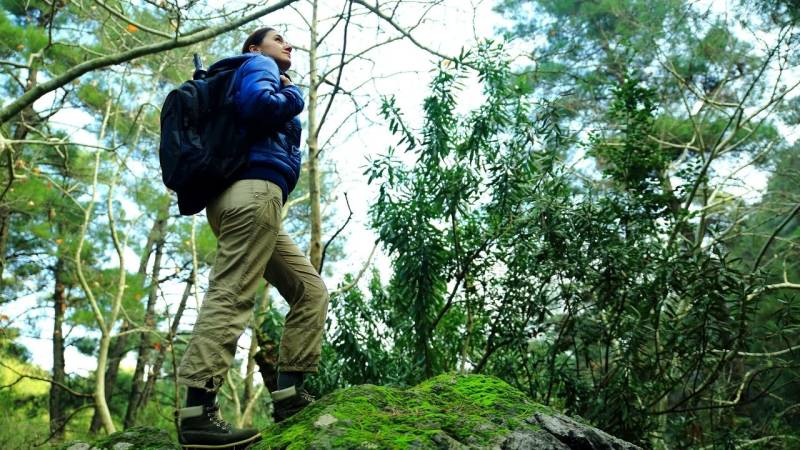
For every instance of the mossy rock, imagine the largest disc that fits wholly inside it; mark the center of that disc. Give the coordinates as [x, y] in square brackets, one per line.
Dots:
[446, 412]
[134, 438]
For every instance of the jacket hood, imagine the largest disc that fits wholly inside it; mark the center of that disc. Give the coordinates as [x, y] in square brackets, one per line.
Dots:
[232, 62]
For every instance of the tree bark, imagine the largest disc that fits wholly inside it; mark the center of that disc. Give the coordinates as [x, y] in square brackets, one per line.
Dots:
[315, 243]
[118, 351]
[57, 416]
[5, 219]
[249, 392]
[101, 406]
[135, 396]
[267, 355]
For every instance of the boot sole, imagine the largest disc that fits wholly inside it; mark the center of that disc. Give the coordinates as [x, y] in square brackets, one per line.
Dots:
[241, 445]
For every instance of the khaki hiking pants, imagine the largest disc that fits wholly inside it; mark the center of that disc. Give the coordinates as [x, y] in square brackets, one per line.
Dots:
[251, 243]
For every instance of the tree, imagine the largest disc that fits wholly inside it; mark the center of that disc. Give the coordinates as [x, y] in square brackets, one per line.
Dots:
[720, 98]
[573, 288]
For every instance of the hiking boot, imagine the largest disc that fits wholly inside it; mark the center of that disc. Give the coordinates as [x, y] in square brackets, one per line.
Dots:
[201, 427]
[288, 402]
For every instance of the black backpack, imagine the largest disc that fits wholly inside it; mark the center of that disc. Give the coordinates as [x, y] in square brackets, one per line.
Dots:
[203, 144]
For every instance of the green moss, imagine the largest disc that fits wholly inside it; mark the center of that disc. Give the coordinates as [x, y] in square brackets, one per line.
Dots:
[475, 410]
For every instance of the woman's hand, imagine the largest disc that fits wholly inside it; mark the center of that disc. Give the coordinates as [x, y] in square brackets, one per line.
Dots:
[285, 81]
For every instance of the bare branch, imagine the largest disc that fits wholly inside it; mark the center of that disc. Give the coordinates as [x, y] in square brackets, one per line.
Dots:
[339, 16]
[339, 74]
[14, 64]
[38, 378]
[777, 230]
[355, 281]
[405, 33]
[766, 439]
[733, 173]
[59, 142]
[765, 354]
[325, 248]
[65, 422]
[359, 55]
[120, 15]
[773, 287]
[291, 203]
[75, 72]
[248, 408]
[234, 396]
[87, 214]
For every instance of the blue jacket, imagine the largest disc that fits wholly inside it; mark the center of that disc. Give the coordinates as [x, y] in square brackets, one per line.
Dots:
[269, 112]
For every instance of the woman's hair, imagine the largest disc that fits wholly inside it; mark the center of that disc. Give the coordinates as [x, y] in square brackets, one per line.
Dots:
[255, 38]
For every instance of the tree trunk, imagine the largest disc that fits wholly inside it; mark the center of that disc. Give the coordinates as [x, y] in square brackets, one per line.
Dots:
[120, 343]
[105, 324]
[135, 397]
[101, 406]
[267, 355]
[315, 243]
[57, 416]
[149, 387]
[465, 348]
[118, 351]
[5, 219]
[249, 392]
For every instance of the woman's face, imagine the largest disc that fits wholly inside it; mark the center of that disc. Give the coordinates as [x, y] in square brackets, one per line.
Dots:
[275, 47]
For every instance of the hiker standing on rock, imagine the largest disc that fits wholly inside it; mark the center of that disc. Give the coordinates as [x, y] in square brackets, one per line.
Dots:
[246, 219]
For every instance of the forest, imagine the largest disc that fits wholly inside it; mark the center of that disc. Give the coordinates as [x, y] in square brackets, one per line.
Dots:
[595, 201]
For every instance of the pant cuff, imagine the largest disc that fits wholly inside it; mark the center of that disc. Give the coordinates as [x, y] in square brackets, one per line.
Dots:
[307, 369]
[202, 384]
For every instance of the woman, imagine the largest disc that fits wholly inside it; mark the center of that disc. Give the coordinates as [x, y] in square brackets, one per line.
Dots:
[246, 219]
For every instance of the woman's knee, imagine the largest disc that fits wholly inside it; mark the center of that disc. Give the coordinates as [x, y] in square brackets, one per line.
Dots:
[318, 291]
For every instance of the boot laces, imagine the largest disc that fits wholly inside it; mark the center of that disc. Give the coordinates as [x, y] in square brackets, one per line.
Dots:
[216, 418]
[306, 396]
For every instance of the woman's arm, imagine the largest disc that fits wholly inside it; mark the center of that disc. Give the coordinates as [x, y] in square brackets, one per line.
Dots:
[261, 95]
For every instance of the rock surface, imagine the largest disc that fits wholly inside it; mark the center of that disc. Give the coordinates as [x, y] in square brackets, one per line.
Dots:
[445, 412]
[134, 438]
